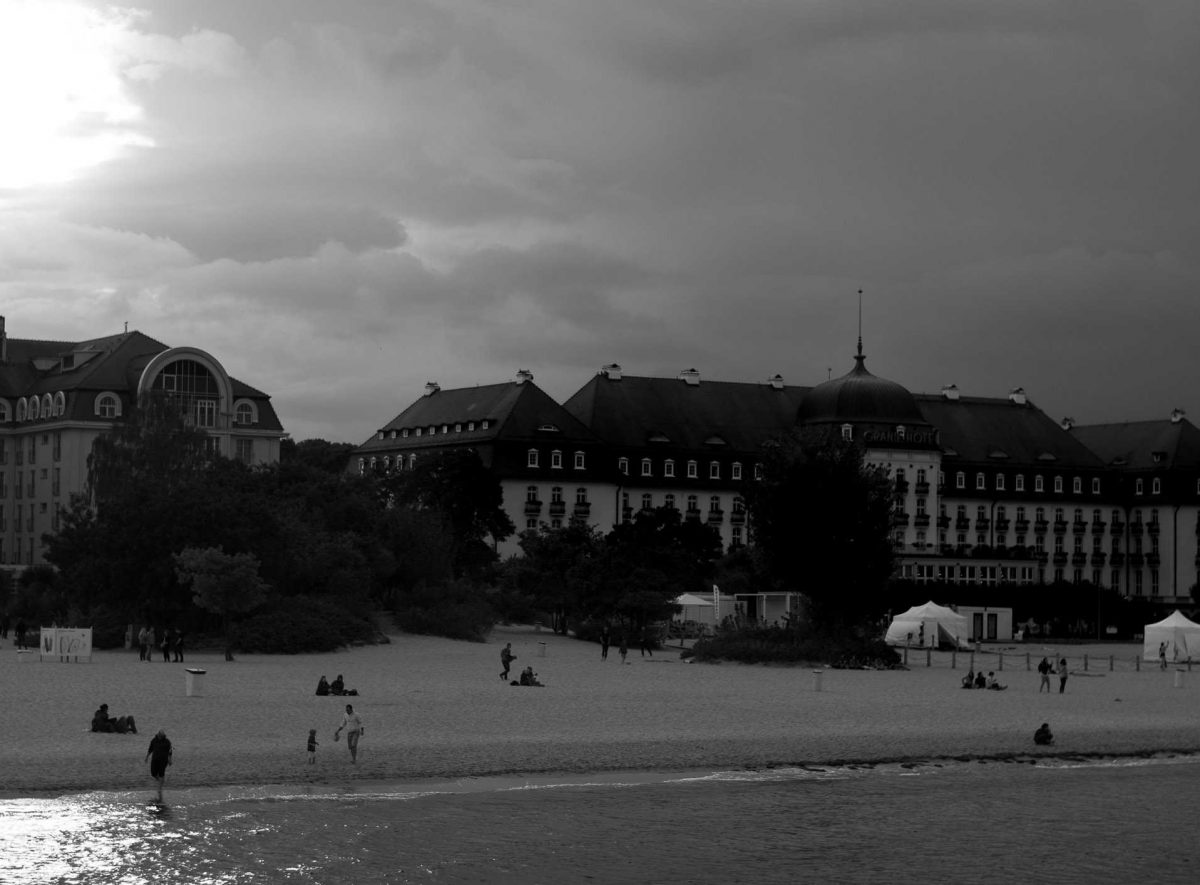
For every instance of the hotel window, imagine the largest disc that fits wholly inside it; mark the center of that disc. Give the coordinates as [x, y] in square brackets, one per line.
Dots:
[1138, 487]
[714, 504]
[960, 480]
[243, 413]
[483, 425]
[623, 466]
[556, 495]
[243, 450]
[999, 482]
[645, 467]
[556, 460]
[470, 426]
[458, 428]
[847, 431]
[579, 462]
[714, 470]
[1077, 486]
[735, 470]
[581, 496]
[647, 502]
[1156, 486]
[1039, 484]
[531, 494]
[669, 502]
[980, 481]
[693, 504]
[404, 433]
[669, 467]
[758, 474]
[531, 458]
[1019, 482]
[1058, 485]
[692, 470]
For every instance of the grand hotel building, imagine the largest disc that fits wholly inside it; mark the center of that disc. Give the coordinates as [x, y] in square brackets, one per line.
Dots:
[56, 397]
[988, 490]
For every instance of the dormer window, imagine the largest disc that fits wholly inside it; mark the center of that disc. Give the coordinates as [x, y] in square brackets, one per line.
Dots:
[470, 426]
[483, 425]
[1000, 482]
[1019, 482]
[417, 431]
[108, 406]
[432, 430]
[980, 481]
[1039, 484]
[1077, 485]
[1096, 486]
[714, 470]
[735, 470]
[758, 471]
[715, 441]
[669, 467]
[458, 428]
[960, 480]
[623, 466]
[4, 416]
[548, 428]
[531, 458]
[445, 428]
[579, 462]
[404, 433]
[1156, 486]
[556, 460]
[692, 470]
[244, 414]
[23, 409]
[900, 431]
[1058, 485]
[847, 432]
[1139, 487]
[380, 436]
[645, 467]
[35, 408]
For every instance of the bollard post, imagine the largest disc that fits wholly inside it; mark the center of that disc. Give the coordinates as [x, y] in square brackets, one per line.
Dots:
[1110, 663]
[906, 655]
[1137, 663]
[954, 659]
[1179, 678]
[1000, 663]
[1027, 667]
[1085, 659]
[928, 657]
[816, 680]
[971, 666]
[541, 650]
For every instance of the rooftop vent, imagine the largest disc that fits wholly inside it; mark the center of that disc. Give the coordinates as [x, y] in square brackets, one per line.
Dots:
[1177, 415]
[1067, 423]
[432, 387]
[950, 392]
[690, 377]
[1016, 396]
[612, 371]
[776, 382]
[523, 375]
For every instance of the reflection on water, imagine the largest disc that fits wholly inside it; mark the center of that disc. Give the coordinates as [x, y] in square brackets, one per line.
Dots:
[1070, 822]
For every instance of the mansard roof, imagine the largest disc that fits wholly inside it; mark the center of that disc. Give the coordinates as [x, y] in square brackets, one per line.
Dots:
[859, 397]
[981, 430]
[514, 410]
[637, 412]
[1143, 445]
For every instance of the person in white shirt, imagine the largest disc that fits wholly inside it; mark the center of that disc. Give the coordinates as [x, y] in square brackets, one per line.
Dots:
[352, 725]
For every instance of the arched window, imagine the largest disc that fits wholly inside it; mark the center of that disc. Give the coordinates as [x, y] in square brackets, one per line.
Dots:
[244, 413]
[22, 409]
[47, 405]
[60, 403]
[108, 406]
[4, 411]
[35, 408]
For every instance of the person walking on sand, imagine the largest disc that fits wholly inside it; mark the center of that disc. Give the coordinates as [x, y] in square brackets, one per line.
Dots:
[352, 725]
[1044, 669]
[1062, 675]
[159, 755]
[1162, 656]
[506, 659]
[623, 649]
[605, 642]
[312, 746]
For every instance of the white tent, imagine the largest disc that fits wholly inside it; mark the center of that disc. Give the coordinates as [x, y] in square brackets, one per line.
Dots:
[1181, 635]
[927, 625]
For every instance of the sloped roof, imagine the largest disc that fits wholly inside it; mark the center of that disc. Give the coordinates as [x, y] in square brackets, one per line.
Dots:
[999, 431]
[1132, 444]
[631, 411]
[859, 396]
[514, 411]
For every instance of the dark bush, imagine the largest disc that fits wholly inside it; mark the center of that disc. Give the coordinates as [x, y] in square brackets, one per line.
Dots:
[755, 644]
[456, 610]
[299, 624]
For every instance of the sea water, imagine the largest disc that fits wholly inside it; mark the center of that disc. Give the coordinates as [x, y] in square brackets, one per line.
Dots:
[1057, 821]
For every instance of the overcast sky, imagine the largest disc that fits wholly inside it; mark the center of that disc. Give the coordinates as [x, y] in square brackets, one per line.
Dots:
[343, 200]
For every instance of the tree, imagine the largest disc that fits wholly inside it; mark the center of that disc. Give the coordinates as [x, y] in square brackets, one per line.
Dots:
[222, 583]
[821, 518]
[549, 572]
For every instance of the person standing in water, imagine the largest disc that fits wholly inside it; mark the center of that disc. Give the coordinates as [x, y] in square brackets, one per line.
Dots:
[159, 755]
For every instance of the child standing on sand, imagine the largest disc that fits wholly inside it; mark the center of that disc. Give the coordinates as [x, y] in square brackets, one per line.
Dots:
[312, 746]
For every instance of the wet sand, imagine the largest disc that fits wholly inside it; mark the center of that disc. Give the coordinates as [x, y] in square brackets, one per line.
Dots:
[435, 709]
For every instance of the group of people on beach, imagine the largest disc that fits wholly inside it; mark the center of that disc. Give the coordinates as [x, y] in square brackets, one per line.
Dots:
[1045, 668]
[978, 680]
[168, 639]
[527, 677]
[102, 722]
[337, 687]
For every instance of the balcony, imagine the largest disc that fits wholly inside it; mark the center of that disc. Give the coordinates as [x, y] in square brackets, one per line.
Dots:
[558, 508]
[1060, 557]
[1022, 526]
[1041, 556]
[921, 520]
[1136, 560]
[1079, 527]
[1098, 527]
[1060, 526]
[716, 517]
[1040, 526]
[921, 488]
[901, 486]
[899, 518]
[944, 523]
[982, 524]
[533, 508]
[1152, 529]
[582, 510]
[1135, 529]
[1098, 558]
[1079, 559]
[1117, 527]
[962, 524]
[692, 513]
[1002, 525]
[1117, 558]
[737, 517]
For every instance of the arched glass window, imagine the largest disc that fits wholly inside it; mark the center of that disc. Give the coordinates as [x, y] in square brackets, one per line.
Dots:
[35, 408]
[108, 406]
[47, 405]
[22, 409]
[243, 413]
[60, 403]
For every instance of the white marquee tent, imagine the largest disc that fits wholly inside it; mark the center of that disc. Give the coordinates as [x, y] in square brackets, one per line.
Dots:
[1181, 635]
[928, 625]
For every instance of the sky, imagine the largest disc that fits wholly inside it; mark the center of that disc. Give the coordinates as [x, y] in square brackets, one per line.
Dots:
[341, 201]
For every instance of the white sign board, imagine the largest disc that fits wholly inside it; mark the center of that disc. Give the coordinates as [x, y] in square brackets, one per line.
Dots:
[66, 643]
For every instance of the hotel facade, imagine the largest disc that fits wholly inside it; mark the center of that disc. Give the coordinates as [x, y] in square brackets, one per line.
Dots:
[56, 397]
[988, 490]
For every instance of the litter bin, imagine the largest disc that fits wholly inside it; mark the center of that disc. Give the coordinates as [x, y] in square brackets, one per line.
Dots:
[817, 680]
[195, 682]
[541, 649]
[1179, 679]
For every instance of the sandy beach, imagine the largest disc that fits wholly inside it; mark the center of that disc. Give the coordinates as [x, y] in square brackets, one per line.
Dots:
[436, 709]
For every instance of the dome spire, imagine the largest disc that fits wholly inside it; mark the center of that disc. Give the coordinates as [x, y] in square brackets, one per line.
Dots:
[859, 358]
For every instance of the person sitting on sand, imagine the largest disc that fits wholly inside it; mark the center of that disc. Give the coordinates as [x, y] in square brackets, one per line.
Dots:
[339, 686]
[322, 685]
[528, 677]
[102, 722]
[968, 681]
[1043, 736]
[980, 680]
[993, 683]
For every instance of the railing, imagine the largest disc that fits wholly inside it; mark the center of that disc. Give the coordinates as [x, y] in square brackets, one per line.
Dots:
[1079, 527]
[582, 509]
[921, 488]
[1060, 558]
[1098, 558]
[1117, 527]
[1021, 525]
[962, 524]
[1098, 527]
[921, 520]
[1135, 529]
[1078, 559]
[558, 508]
[900, 518]
[1040, 526]
[1152, 528]
[1002, 525]
[737, 517]
[533, 508]
[716, 516]
[982, 524]
[1060, 526]
[944, 523]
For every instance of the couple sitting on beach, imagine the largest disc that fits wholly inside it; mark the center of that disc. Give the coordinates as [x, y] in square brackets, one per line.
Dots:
[528, 677]
[102, 722]
[337, 688]
[972, 680]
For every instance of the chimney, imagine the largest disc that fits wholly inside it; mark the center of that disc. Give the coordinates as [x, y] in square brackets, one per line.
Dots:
[1017, 396]
[950, 392]
[3, 342]
[690, 377]
[432, 387]
[1176, 414]
[776, 382]
[1067, 423]
[523, 375]
[612, 371]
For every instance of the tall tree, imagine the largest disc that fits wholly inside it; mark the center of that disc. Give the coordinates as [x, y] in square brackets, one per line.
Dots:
[222, 583]
[821, 517]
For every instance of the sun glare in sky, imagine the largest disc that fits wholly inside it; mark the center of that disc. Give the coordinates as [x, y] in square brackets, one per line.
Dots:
[63, 104]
